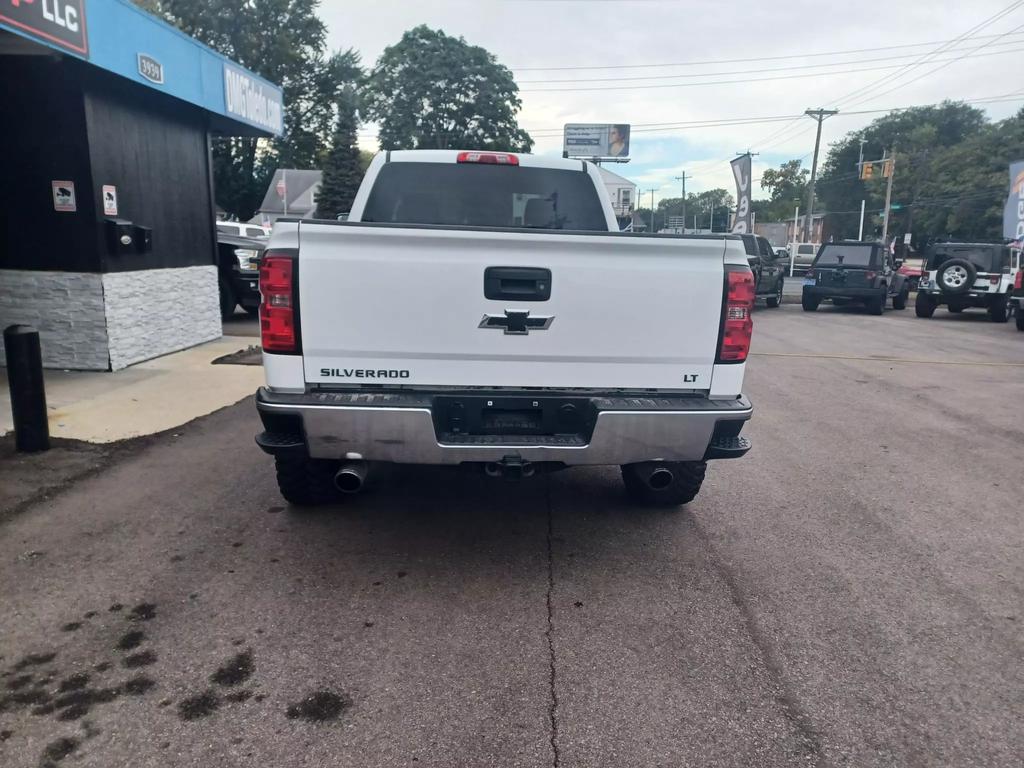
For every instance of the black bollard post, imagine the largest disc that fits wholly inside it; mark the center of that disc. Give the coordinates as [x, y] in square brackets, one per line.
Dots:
[28, 395]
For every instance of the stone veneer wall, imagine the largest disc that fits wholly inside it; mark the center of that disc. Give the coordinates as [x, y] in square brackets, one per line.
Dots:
[89, 321]
[153, 312]
[67, 310]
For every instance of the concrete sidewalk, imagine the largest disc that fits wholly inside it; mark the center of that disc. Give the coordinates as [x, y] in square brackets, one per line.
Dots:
[102, 407]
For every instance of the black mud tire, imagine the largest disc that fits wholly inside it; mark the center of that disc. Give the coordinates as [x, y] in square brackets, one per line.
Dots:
[809, 305]
[924, 305]
[899, 301]
[306, 482]
[227, 298]
[997, 311]
[1019, 319]
[773, 301]
[876, 306]
[687, 477]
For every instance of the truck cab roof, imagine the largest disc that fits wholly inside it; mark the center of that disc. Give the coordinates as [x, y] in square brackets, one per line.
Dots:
[523, 159]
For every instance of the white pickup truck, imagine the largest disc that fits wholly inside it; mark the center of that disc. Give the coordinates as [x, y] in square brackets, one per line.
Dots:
[482, 309]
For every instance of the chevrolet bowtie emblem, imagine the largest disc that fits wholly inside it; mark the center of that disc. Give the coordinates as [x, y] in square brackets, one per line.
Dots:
[517, 322]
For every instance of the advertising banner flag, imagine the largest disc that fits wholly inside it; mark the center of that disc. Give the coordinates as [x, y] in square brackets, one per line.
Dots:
[1013, 213]
[744, 219]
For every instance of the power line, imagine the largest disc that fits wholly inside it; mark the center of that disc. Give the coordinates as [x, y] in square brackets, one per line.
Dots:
[936, 69]
[747, 80]
[735, 61]
[618, 78]
[924, 59]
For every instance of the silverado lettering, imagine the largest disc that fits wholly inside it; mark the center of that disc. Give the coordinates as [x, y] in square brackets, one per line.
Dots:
[363, 373]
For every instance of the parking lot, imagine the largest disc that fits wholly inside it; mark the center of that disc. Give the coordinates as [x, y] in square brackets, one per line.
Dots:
[848, 594]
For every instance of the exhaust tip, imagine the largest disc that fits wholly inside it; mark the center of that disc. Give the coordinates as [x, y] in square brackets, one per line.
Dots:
[660, 479]
[350, 478]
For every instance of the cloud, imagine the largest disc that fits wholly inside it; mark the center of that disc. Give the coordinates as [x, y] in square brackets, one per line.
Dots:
[526, 35]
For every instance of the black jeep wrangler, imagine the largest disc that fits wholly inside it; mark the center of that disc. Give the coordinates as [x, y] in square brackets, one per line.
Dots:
[962, 275]
[854, 272]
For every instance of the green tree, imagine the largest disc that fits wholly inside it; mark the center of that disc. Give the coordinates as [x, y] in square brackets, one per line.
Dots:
[785, 185]
[285, 42]
[342, 166]
[921, 136]
[433, 91]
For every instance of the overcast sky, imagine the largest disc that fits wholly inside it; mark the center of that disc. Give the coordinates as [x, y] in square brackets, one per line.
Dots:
[619, 35]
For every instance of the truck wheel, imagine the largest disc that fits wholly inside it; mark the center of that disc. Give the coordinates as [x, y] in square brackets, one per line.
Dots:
[663, 483]
[924, 305]
[776, 300]
[306, 482]
[997, 310]
[809, 305]
[899, 301]
[1020, 319]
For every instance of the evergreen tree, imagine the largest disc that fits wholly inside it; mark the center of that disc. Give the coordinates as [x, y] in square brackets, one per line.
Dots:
[342, 167]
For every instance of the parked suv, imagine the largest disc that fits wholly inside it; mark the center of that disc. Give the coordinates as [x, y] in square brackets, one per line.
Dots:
[769, 270]
[962, 275]
[238, 273]
[1017, 297]
[854, 272]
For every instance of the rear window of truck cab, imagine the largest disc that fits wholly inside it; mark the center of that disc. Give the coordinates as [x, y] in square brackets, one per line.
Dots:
[841, 254]
[484, 195]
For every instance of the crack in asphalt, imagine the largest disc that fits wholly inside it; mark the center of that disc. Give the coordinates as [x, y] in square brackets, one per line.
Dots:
[549, 632]
[786, 699]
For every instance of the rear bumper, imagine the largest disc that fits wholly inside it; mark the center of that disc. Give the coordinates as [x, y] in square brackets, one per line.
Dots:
[827, 292]
[402, 428]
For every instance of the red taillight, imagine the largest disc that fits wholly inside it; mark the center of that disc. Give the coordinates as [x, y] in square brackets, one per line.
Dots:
[488, 158]
[277, 304]
[870, 275]
[1018, 281]
[994, 279]
[737, 323]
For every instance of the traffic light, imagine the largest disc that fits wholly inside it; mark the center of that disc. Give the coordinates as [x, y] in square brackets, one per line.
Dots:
[867, 171]
[887, 169]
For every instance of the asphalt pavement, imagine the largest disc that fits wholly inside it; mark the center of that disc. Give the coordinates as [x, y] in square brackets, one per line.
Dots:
[850, 593]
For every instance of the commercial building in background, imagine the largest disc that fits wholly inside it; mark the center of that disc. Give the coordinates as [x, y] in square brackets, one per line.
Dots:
[291, 193]
[107, 216]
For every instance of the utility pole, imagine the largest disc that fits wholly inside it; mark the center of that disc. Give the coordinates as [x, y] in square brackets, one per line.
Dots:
[652, 191]
[888, 193]
[860, 170]
[683, 180]
[819, 115]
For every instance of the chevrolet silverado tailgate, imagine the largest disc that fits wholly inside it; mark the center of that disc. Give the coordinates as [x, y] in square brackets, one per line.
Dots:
[462, 307]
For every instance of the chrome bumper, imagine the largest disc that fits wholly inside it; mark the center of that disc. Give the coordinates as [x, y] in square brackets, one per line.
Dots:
[401, 429]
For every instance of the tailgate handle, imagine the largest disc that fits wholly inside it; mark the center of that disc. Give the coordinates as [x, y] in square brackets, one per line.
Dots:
[517, 283]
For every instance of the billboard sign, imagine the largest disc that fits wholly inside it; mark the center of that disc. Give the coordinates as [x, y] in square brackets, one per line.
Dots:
[253, 100]
[1013, 213]
[596, 140]
[744, 222]
[57, 23]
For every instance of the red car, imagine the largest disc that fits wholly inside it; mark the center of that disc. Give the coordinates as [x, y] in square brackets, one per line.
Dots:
[912, 269]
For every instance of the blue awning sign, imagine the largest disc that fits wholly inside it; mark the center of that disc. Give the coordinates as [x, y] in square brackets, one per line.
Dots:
[253, 100]
[58, 22]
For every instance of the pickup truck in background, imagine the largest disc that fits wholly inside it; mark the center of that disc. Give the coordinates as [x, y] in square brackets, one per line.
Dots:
[482, 308]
